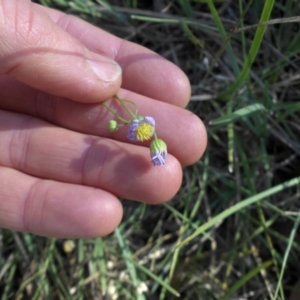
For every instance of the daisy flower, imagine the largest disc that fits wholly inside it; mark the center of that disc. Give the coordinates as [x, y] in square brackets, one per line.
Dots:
[141, 129]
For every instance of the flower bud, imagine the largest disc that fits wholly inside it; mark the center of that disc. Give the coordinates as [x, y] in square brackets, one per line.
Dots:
[158, 152]
[113, 125]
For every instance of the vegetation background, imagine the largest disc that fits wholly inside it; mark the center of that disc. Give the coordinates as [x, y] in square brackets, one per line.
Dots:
[231, 232]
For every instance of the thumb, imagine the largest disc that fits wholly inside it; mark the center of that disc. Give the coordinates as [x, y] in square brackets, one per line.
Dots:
[36, 51]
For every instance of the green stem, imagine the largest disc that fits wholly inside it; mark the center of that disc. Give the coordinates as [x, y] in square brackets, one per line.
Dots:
[134, 104]
[115, 114]
[122, 102]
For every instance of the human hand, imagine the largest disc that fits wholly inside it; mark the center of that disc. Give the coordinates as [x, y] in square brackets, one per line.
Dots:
[61, 170]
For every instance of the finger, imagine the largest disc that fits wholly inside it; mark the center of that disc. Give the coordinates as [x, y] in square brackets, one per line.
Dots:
[43, 150]
[55, 209]
[184, 132]
[36, 51]
[144, 72]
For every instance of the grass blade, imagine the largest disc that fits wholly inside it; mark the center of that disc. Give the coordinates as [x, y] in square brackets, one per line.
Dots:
[238, 114]
[235, 208]
[255, 45]
[241, 282]
[286, 254]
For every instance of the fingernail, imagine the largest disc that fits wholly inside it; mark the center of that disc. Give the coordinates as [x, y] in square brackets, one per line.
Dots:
[104, 68]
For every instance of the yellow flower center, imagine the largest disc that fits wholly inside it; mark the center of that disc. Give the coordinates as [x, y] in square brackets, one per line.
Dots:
[144, 132]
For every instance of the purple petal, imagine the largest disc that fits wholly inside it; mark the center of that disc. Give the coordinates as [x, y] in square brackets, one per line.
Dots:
[158, 158]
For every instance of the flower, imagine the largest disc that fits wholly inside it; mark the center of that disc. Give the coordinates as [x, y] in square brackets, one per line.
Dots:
[141, 129]
[158, 152]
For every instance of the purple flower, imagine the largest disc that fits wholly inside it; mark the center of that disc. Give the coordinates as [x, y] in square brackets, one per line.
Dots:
[158, 152]
[141, 129]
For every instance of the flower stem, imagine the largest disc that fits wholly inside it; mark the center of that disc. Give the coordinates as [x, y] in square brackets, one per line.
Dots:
[115, 114]
[134, 104]
[122, 102]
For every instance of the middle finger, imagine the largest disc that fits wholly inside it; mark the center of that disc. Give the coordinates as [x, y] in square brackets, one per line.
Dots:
[183, 132]
[43, 150]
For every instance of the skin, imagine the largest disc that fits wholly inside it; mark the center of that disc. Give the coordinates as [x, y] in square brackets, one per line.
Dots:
[61, 170]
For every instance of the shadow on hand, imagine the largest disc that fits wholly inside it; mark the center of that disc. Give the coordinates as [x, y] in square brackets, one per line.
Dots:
[112, 166]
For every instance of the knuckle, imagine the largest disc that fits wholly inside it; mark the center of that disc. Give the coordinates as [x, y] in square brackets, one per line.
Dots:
[34, 204]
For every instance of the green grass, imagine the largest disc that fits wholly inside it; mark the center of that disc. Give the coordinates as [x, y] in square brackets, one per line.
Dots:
[231, 231]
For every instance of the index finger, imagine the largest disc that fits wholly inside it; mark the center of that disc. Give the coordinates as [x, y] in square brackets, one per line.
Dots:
[144, 71]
